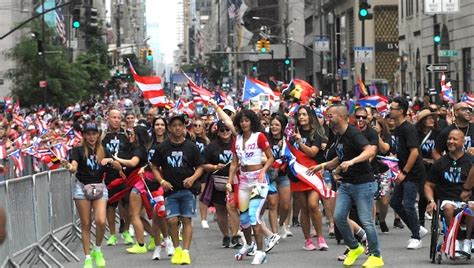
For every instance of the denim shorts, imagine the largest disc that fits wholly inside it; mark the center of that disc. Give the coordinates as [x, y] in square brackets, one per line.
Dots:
[281, 181]
[78, 192]
[181, 203]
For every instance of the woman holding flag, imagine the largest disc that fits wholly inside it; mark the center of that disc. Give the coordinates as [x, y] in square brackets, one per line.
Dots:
[308, 137]
[90, 192]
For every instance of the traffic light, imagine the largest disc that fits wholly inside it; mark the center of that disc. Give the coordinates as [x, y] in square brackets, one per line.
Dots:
[149, 55]
[142, 54]
[93, 21]
[259, 45]
[76, 17]
[436, 34]
[364, 10]
[267, 45]
[254, 68]
[287, 61]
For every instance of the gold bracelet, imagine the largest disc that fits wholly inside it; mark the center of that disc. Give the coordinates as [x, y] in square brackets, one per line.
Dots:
[162, 181]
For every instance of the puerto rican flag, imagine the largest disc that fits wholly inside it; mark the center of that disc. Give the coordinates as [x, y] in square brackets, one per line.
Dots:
[449, 245]
[299, 162]
[293, 109]
[254, 87]
[150, 86]
[41, 125]
[59, 150]
[371, 101]
[23, 139]
[200, 94]
[446, 90]
[18, 161]
[8, 104]
[16, 107]
[468, 98]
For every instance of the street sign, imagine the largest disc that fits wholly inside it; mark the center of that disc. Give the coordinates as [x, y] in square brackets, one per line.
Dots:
[441, 6]
[437, 67]
[363, 54]
[321, 43]
[432, 92]
[73, 44]
[43, 84]
[448, 53]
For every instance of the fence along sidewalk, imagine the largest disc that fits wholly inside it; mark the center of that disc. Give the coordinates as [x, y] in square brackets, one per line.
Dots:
[38, 207]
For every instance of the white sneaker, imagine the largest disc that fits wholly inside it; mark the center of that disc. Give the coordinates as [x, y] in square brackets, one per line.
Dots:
[245, 250]
[260, 257]
[414, 243]
[271, 242]
[423, 232]
[204, 224]
[283, 233]
[472, 245]
[466, 247]
[169, 246]
[457, 249]
[156, 254]
[288, 232]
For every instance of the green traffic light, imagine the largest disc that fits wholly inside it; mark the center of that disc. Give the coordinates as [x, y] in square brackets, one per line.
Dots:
[287, 62]
[437, 38]
[363, 12]
[149, 57]
[263, 50]
[76, 24]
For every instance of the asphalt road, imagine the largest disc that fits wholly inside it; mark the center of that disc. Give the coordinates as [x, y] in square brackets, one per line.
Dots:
[206, 251]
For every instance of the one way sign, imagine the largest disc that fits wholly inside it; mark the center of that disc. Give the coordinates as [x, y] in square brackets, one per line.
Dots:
[437, 67]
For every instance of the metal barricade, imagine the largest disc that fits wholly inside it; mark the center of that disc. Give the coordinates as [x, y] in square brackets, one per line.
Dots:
[23, 221]
[5, 248]
[41, 182]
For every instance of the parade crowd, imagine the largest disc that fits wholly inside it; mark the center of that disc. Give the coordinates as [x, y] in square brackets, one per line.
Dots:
[159, 168]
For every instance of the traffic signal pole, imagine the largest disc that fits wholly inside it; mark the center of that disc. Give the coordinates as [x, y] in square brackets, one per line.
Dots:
[362, 67]
[43, 55]
[437, 84]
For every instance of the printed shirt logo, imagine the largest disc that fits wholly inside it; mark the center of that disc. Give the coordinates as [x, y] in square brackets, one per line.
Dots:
[276, 151]
[396, 144]
[340, 151]
[151, 152]
[225, 156]
[303, 140]
[428, 146]
[200, 147]
[175, 159]
[467, 143]
[453, 175]
[112, 146]
[92, 162]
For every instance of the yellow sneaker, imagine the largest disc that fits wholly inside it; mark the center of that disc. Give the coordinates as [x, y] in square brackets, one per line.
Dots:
[151, 244]
[178, 253]
[137, 249]
[185, 258]
[353, 254]
[373, 261]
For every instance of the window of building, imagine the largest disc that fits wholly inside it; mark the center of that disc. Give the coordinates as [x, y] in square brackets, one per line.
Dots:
[466, 65]
[308, 25]
[409, 6]
[401, 8]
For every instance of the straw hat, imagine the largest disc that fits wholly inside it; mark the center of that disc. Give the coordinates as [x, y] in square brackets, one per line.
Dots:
[423, 113]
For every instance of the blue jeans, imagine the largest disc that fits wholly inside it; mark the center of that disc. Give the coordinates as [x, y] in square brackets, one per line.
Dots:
[362, 196]
[403, 202]
[181, 203]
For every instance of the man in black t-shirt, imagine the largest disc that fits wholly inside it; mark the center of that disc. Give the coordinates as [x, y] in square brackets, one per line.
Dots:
[447, 177]
[412, 171]
[357, 185]
[177, 165]
[463, 113]
[116, 142]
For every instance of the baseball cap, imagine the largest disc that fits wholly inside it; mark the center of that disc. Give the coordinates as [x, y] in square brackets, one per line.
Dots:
[90, 127]
[221, 124]
[229, 108]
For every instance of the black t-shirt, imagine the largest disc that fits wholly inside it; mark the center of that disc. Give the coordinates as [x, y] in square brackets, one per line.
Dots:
[443, 137]
[449, 175]
[348, 146]
[371, 136]
[442, 124]
[142, 154]
[406, 137]
[276, 150]
[89, 169]
[311, 140]
[201, 144]
[177, 162]
[219, 152]
[428, 146]
[114, 142]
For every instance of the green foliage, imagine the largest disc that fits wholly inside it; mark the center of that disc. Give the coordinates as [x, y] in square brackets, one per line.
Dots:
[67, 82]
[214, 68]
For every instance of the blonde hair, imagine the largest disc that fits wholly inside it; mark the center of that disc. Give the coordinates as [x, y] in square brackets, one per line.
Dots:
[99, 149]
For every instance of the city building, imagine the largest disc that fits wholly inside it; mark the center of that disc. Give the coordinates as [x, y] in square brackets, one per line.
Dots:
[417, 48]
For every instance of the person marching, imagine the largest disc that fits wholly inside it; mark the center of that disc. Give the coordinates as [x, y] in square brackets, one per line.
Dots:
[90, 193]
[249, 147]
[181, 167]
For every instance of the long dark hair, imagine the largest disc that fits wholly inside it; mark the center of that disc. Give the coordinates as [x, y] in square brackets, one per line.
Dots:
[255, 125]
[316, 128]
[142, 139]
[283, 122]
[153, 134]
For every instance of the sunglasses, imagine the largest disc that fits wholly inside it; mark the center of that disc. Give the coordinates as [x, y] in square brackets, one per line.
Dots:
[224, 130]
[360, 117]
[266, 114]
[197, 125]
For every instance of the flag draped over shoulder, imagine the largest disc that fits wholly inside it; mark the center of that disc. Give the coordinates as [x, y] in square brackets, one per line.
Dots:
[150, 86]
[299, 162]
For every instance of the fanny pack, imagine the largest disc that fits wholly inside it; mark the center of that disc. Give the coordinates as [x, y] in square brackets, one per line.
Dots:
[220, 182]
[93, 191]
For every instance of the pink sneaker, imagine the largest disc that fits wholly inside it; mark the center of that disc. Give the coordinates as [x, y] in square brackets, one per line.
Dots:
[308, 245]
[322, 243]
